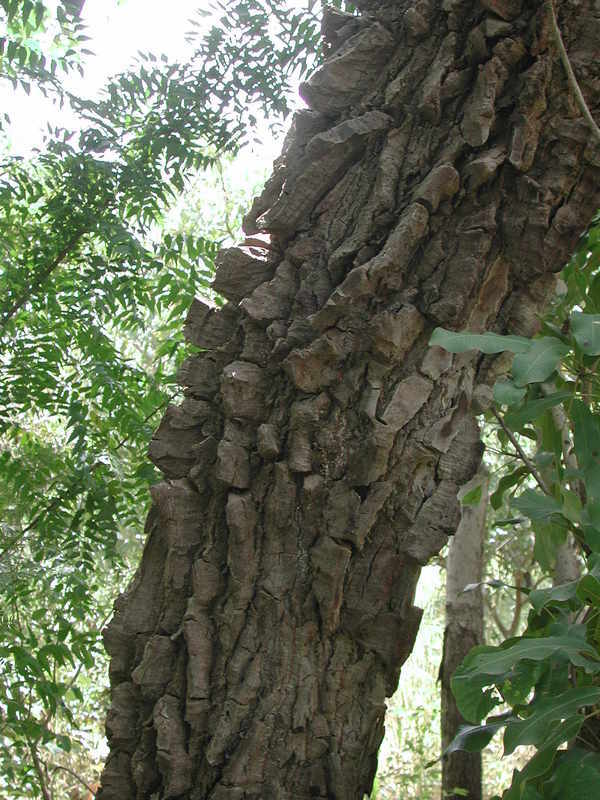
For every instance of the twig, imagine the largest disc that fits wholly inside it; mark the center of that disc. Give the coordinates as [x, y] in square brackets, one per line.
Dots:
[572, 80]
[509, 631]
[78, 778]
[496, 617]
[524, 457]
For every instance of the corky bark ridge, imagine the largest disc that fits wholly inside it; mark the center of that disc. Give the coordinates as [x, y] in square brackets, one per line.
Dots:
[441, 176]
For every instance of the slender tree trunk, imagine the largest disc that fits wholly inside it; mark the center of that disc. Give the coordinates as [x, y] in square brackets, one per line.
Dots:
[568, 563]
[464, 630]
[440, 178]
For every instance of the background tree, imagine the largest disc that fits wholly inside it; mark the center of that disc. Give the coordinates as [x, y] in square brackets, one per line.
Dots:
[462, 772]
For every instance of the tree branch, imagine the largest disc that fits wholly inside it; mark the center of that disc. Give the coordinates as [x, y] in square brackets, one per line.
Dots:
[572, 80]
[38, 769]
[78, 778]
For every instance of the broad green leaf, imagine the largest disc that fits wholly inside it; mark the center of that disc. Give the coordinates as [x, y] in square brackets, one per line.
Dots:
[517, 683]
[539, 362]
[550, 535]
[488, 665]
[571, 506]
[486, 342]
[537, 767]
[536, 505]
[544, 714]
[590, 520]
[555, 594]
[507, 482]
[550, 439]
[592, 537]
[588, 590]
[507, 394]
[472, 497]
[473, 688]
[473, 738]
[534, 409]
[586, 332]
[586, 426]
[577, 650]
[576, 776]
[594, 292]
[474, 700]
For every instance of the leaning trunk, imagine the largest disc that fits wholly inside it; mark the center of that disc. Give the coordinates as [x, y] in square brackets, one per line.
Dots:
[440, 177]
[461, 771]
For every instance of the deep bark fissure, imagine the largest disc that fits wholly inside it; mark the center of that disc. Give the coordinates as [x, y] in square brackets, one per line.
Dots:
[440, 178]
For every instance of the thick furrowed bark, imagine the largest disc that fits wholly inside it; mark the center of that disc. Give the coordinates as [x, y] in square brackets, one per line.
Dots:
[442, 176]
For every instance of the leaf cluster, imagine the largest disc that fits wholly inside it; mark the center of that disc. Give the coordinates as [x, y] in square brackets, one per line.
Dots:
[94, 286]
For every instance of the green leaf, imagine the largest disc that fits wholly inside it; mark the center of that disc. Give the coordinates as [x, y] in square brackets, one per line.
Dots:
[539, 362]
[534, 409]
[556, 594]
[492, 665]
[586, 439]
[590, 520]
[473, 738]
[26, 663]
[473, 699]
[538, 766]
[576, 776]
[472, 497]
[473, 688]
[588, 590]
[549, 537]
[573, 647]
[550, 439]
[506, 393]
[536, 505]
[571, 507]
[586, 331]
[486, 342]
[545, 713]
[505, 483]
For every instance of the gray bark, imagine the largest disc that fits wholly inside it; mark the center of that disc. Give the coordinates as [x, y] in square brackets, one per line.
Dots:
[441, 177]
[464, 630]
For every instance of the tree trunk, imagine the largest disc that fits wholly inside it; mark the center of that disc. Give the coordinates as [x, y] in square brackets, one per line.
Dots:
[441, 177]
[464, 630]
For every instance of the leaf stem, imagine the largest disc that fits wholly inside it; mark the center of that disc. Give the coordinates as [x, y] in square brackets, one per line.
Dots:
[73, 774]
[523, 456]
